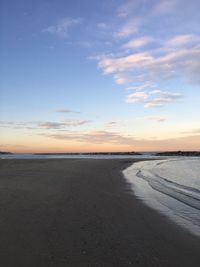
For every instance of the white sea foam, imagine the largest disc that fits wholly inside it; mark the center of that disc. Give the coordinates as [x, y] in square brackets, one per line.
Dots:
[171, 186]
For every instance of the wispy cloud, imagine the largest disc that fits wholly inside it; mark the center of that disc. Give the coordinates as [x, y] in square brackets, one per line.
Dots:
[191, 132]
[18, 125]
[146, 85]
[61, 28]
[165, 6]
[138, 97]
[129, 28]
[138, 42]
[102, 25]
[48, 125]
[111, 124]
[63, 124]
[66, 111]
[94, 137]
[152, 99]
[121, 78]
[129, 7]
[157, 118]
[162, 99]
[111, 64]
[140, 53]
[164, 65]
[183, 40]
[134, 143]
[51, 125]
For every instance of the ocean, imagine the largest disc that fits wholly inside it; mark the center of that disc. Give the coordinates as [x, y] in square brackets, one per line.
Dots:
[76, 156]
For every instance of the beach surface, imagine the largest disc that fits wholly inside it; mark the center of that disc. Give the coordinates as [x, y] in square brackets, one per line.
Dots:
[79, 212]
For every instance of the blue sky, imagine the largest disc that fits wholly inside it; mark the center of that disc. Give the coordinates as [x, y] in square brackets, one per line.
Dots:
[100, 75]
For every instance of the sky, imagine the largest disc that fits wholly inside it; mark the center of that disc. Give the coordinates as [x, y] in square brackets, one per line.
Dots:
[81, 76]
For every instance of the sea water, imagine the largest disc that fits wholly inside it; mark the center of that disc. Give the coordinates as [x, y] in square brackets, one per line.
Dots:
[171, 186]
[77, 156]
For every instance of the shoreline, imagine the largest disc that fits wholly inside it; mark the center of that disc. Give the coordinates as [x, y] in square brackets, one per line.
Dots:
[80, 212]
[165, 195]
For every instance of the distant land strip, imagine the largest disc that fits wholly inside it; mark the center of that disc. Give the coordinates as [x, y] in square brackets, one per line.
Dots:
[132, 153]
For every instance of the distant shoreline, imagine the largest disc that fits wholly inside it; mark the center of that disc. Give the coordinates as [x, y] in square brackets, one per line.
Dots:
[128, 153]
[5, 153]
[92, 153]
[179, 153]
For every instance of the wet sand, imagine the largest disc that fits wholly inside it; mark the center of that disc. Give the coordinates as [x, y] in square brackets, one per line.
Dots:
[72, 212]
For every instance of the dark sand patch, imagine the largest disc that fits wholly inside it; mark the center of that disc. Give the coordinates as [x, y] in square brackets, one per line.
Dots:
[62, 212]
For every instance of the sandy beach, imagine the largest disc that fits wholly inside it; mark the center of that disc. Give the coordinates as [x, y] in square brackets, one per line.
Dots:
[78, 212]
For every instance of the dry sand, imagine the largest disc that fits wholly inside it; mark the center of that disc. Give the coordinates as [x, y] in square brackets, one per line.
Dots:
[81, 213]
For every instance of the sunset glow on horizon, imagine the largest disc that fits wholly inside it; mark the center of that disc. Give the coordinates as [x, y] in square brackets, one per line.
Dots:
[99, 76]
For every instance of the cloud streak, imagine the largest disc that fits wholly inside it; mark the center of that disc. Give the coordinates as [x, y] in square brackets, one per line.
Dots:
[155, 98]
[94, 137]
[157, 118]
[128, 29]
[170, 64]
[183, 40]
[128, 8]
[118, 139]
[177, 57]
[47, 125]
[111, 64]
[61, 28]
[164, 7]
[63, 124]
[138, 42]
[121, 78]
[66, 111]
